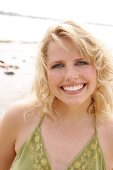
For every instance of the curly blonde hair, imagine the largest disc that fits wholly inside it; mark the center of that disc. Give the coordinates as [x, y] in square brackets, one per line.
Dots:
[91, 49]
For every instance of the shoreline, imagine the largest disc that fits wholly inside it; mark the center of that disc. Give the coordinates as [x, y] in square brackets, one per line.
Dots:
[19, 59]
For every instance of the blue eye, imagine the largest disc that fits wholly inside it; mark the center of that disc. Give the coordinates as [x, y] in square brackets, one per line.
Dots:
[57, 66]
[81, 63]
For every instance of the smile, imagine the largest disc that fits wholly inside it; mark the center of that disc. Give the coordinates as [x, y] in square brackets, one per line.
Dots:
[73, 88]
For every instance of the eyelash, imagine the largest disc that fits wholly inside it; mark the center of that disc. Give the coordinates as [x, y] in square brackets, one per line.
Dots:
[57, 66]
[78, 63]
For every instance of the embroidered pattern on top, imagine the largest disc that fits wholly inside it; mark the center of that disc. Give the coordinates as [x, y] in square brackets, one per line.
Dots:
[38, 156]
[86, 159]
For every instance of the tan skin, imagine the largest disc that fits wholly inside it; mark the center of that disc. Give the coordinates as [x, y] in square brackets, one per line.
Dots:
[10, 143]
[60, 134]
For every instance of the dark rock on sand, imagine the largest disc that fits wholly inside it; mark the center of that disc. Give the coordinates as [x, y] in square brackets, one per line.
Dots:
[9, 72]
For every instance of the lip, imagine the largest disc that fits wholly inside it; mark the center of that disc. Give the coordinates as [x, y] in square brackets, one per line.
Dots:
[75, 87]
[72, 84]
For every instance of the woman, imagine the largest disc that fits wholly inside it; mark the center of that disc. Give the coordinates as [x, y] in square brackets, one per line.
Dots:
[68, 123]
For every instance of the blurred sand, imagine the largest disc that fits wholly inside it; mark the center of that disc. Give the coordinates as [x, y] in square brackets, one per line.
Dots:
[17, 86]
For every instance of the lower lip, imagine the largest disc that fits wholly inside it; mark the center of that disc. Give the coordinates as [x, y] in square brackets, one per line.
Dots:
[73, 92]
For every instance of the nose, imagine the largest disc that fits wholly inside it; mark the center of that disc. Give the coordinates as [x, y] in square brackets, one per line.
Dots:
[71, 74]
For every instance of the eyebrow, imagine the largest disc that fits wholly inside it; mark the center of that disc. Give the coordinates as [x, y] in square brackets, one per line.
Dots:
[79, 59]
[55, 62]
[61, 61]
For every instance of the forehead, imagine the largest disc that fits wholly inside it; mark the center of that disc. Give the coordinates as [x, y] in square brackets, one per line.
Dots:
[63, 49]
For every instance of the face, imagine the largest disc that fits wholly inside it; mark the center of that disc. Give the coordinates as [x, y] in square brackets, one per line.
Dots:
[72, 79]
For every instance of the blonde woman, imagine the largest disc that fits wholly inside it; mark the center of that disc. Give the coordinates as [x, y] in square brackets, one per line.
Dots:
[68, 124]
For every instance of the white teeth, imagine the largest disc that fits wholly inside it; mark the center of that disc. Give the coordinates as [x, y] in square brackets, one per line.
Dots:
[73, 88]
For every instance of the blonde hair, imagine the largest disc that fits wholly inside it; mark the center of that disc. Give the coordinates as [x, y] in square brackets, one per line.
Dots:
[89, 48]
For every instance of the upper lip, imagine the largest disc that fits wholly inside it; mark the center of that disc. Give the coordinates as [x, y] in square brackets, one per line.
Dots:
[72, 85]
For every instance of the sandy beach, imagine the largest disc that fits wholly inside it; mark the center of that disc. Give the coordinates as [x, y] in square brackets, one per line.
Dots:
[16, 82]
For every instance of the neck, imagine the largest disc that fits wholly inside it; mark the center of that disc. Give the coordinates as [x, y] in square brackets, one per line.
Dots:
[70, 112]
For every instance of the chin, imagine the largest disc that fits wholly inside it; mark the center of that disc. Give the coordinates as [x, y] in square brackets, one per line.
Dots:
[77, 103]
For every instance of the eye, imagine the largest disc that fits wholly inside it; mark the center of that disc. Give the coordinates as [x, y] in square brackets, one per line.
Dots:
[81, 63]
[57, 66]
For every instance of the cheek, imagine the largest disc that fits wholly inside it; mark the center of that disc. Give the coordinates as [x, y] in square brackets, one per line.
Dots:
[54, 78]
[92, 76]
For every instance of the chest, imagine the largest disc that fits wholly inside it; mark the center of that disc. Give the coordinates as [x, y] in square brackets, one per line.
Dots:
[65, 150]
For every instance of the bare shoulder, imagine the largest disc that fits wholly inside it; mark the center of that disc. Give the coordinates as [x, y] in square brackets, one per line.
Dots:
[14, 113]
[14, 116]
[11, 124]
[106, 128]
[105, 133]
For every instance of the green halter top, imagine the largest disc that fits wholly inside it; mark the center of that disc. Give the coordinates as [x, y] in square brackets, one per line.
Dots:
[33, 156]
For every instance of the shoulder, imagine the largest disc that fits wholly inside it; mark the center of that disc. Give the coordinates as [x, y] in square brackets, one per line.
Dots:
[11, 125]
[105, 127]
[14, 117]
[105, 124]
[105, 133]
[14, 112]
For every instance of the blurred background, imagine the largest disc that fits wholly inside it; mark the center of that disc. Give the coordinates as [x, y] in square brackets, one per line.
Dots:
[26, 20]
[23, 24]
